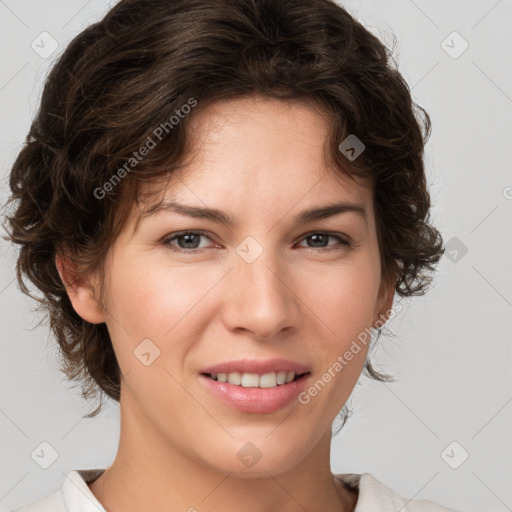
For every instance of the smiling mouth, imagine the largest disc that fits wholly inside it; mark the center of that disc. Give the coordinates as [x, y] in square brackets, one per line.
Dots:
[256, 380]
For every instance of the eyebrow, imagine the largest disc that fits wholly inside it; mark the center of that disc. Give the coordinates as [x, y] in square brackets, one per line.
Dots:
[304, 217]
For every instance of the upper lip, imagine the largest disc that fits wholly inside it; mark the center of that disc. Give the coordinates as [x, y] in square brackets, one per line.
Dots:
[260, 366]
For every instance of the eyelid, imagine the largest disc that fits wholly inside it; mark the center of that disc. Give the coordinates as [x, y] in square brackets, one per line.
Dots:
[345, 240]
[167, 239]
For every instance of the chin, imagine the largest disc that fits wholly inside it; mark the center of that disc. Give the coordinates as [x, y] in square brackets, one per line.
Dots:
[255, 460]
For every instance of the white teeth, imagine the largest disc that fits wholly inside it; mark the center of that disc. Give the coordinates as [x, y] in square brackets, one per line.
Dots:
[268, 380]
[254, 380]
[281, 377]
[235, 378]
[250, 380]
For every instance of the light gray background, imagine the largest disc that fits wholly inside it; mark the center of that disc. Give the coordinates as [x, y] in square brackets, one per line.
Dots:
[452, 353]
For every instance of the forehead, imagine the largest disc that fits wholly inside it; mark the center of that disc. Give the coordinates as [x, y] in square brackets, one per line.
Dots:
[254, 130]
[257, 156]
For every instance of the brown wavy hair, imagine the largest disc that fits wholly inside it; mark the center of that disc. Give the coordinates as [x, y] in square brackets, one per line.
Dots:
[131, 72]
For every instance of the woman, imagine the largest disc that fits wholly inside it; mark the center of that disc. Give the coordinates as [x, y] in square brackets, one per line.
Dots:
[219, 200]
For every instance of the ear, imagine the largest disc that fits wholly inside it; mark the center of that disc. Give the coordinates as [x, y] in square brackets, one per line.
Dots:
[82, 294]
[384, 301]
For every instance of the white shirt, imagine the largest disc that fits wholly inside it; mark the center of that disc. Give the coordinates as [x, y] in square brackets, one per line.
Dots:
[374, 496]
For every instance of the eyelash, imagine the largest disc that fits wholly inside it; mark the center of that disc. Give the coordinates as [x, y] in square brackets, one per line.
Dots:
[167, 241]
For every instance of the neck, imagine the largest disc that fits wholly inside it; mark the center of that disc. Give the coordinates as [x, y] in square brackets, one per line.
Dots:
[151, 473]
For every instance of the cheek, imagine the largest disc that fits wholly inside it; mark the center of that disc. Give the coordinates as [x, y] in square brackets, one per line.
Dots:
[155, 301]
[159, 301]
[341, 296]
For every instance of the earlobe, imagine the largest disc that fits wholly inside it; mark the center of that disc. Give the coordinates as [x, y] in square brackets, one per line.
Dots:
[80, 291]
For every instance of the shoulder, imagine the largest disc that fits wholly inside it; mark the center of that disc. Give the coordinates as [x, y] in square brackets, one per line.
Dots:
[374, 495]
[53, 502]
[74, 495]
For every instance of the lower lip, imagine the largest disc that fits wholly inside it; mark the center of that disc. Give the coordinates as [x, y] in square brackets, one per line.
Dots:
[256, 400]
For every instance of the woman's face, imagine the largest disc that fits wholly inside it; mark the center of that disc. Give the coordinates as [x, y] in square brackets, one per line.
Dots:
[263, 286]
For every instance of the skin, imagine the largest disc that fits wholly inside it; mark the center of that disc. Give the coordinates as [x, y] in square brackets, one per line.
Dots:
[262, 162]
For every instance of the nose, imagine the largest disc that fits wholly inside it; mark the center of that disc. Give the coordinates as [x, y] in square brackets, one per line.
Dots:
[260, 297]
